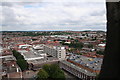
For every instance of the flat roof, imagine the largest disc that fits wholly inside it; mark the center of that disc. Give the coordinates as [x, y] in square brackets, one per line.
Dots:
[32, 55]
[44, 60]
[92, 63]
[78, 68]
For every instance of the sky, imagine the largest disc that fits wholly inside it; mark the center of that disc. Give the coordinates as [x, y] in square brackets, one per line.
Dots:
[53, 15]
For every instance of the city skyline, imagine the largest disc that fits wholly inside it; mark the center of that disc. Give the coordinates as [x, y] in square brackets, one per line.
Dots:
[53, 16]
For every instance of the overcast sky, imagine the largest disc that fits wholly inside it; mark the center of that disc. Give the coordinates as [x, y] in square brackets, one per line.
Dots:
[53, 15]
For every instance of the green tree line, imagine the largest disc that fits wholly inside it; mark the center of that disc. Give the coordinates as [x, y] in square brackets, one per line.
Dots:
[77, 45]
[46, 33]
[50, 71]
[22, 63]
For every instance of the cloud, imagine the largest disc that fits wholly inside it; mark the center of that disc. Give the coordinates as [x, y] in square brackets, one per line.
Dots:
[53, 15]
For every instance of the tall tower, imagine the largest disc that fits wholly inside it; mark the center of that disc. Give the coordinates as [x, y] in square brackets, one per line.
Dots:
[111, 62]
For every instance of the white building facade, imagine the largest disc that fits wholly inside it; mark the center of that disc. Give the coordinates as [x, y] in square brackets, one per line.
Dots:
[55, 51]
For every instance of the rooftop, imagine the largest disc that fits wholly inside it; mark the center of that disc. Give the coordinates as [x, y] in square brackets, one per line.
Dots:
[79, 69]
[92, 63]
[31, 55]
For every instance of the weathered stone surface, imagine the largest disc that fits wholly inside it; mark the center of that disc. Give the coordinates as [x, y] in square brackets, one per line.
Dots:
[110, 67]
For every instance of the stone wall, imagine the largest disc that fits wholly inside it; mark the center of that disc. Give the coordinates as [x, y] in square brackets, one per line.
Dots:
[111, 62]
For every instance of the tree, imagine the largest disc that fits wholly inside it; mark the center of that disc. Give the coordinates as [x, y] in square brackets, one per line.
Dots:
[57, 72]
[46, 67]
[83, 34]
[77, 45]
[20, 60]
[42, 75]
[54, 71]
[80, 53]
[76, 40]
[22, 64]
[90, 46]
[68, 37]
[17, 55]
[100, 52]
[104, 41]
